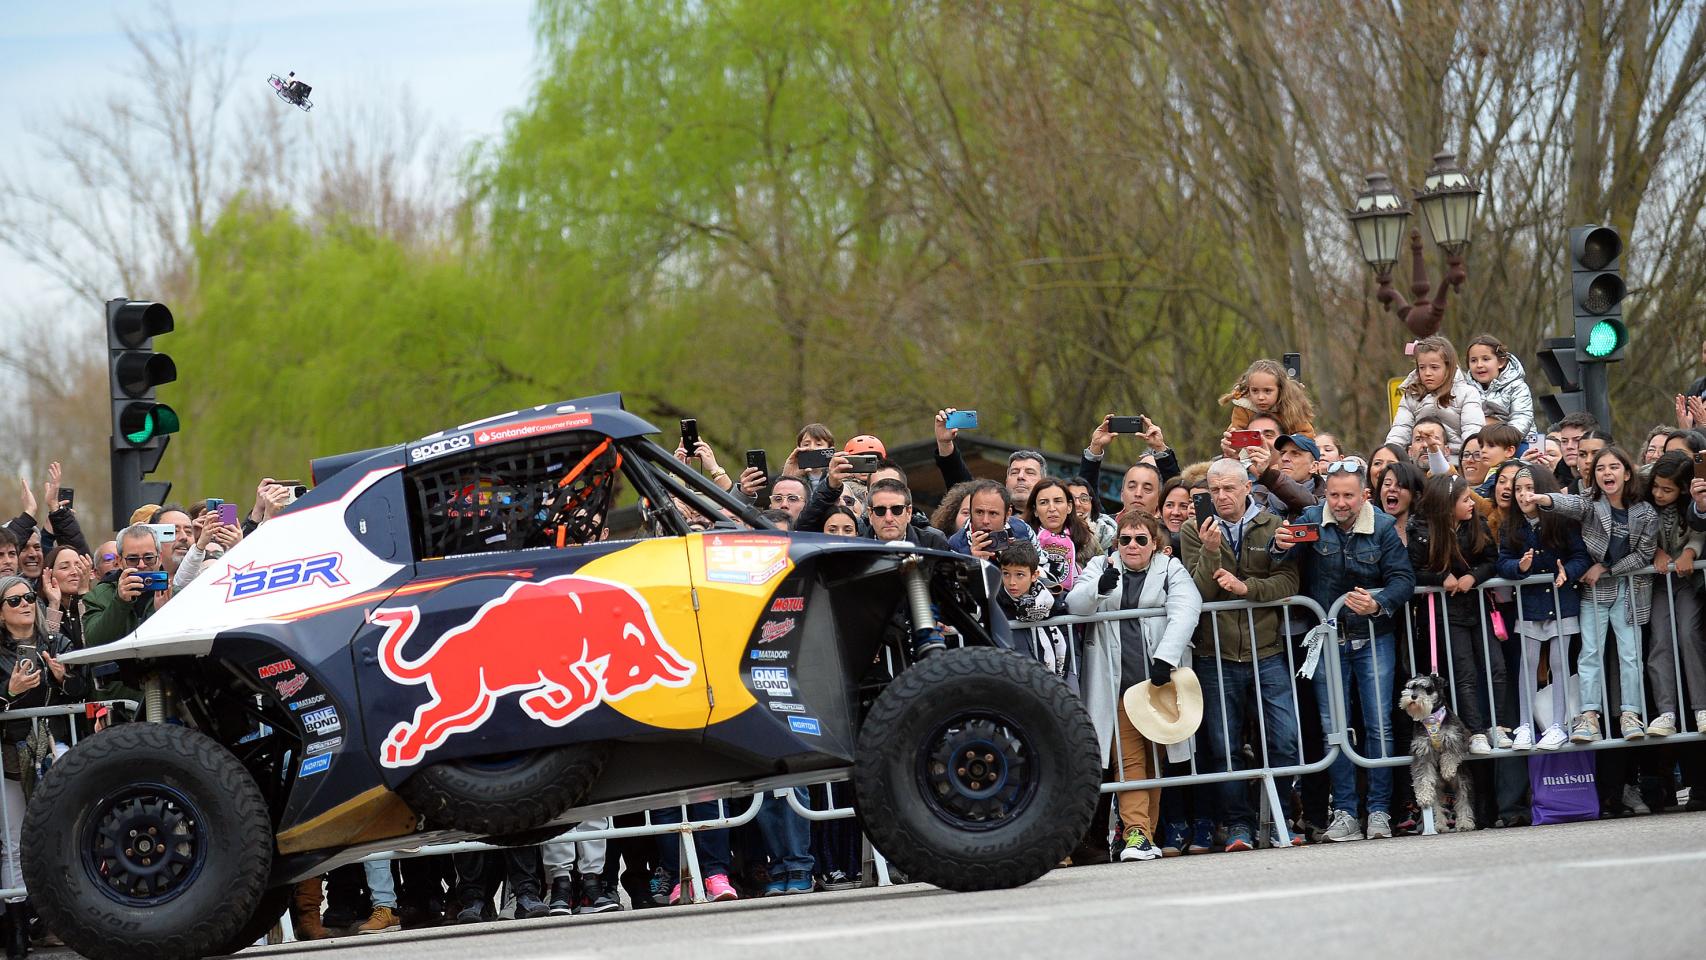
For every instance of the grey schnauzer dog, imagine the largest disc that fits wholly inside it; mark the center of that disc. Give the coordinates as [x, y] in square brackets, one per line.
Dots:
[1439, 747]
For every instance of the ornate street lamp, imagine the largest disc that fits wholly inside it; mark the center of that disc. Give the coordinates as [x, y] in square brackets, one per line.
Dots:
[1447, 201]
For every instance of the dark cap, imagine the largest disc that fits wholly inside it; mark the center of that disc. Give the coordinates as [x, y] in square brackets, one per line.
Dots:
[1301, 442]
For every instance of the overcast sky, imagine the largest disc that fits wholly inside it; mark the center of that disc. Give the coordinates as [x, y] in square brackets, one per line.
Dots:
[465, 63]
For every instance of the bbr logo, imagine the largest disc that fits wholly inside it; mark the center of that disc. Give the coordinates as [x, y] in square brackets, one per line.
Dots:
[244, 582]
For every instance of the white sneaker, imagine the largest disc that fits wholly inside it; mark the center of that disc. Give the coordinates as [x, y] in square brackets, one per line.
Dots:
[1663, 725]
[1633, 800]
[1345, 827]
[1379, 825]
[1553, 738]
[1479, 746]
[1499, 738]
[1524, 739]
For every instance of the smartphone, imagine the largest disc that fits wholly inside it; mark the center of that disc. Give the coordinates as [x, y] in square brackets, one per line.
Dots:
[1533, 439]
[154, 581]
[1246, 438]
[1126, 424]
[27, 656]
[1293, 364]
[228, 514]
[1304, 532]
[864, 462]
[813, 459]
[165, 532]
[297, 489]
[961, 420]
[690, 436]
[213, 503]
[1205, 506]
[756, 459]
[999, 539]
[1700, 466]
[67, 496]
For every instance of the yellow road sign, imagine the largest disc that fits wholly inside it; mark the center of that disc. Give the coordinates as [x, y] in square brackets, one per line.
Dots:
[1395, 393]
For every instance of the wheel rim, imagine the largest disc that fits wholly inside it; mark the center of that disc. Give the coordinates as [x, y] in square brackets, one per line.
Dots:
[978, 771]
[144, 845]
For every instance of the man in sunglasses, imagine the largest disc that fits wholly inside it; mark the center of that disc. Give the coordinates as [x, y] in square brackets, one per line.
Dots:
[122, 600]
[890, 514]
[1358, 558]
[106, 558]
[1240, 656]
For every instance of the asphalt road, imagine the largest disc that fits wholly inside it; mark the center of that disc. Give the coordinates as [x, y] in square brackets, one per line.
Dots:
[1629, 888]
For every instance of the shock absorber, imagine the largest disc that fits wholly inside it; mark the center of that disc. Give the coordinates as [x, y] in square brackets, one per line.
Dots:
[154, 699]
[926, 639]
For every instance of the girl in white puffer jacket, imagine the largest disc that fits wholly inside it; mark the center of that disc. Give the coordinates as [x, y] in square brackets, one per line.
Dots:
[1505, 395]
[1438, 387]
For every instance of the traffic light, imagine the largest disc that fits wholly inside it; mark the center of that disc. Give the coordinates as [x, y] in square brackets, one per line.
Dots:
[1558, 362]
[141, 425]
[1597, 289]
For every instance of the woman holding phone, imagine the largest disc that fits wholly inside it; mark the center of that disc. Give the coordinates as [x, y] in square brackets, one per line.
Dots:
[34, 678]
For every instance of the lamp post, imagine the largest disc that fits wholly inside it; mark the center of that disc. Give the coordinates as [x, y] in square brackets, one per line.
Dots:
[1447, 201]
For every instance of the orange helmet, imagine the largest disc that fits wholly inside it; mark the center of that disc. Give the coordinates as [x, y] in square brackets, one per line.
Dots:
[865, 443]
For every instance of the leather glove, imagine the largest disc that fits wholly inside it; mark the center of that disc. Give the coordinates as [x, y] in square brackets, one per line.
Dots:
[1160, 672]
[1110, 577]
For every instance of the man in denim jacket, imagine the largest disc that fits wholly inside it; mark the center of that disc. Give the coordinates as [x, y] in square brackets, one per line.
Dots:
[1358, 558]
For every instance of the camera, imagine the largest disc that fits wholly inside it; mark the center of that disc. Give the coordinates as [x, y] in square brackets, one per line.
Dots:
[154, 581]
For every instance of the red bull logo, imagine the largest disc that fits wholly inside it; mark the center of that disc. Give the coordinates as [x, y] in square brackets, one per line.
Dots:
[567, 644]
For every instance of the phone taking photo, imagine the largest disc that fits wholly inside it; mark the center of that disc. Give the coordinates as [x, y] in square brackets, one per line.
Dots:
[1700, 466]
[863, 462]
[228, 514]
[1304, 532]
[961, 420]
[757, 460]
[1293, 364]
[999, 539]
[164, 532]
[1246, 438]
[813, 459]
[67, 496]
[690, 437]
[1204, 505]
[1132, 425]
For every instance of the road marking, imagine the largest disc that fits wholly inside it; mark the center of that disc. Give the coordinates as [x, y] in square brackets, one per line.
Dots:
[880, 929]
[1634, 861]
[1246, 896]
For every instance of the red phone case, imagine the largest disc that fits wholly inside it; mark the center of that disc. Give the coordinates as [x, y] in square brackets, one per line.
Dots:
[1246, 438]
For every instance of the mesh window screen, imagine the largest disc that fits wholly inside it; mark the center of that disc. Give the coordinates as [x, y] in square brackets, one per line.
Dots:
[554, 491]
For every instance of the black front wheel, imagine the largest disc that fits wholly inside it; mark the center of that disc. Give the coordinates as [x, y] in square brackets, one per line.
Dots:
[977, 769]
[148, 842]
[508, 794]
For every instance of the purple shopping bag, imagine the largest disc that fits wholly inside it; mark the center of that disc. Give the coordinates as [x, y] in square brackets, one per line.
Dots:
[1564, 787]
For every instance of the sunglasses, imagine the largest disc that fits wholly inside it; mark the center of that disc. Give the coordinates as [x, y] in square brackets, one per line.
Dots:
[1141, 539]
[141, 560]
[898, 510]
[1347, 465]
[20, 599]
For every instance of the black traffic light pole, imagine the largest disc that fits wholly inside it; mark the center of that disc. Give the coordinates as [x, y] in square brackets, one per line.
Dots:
[141, 426]
[1596, 392]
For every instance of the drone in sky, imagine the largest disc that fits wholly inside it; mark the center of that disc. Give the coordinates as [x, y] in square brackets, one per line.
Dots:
[292, 90]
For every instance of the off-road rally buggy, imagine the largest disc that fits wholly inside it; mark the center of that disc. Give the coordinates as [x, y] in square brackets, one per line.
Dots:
[438, 643]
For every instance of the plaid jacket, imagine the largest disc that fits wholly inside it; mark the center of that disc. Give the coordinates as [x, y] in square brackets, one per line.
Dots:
[1595, 517]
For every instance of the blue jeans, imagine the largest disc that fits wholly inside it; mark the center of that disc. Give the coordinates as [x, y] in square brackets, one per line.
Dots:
[1595, 627]
[381, 886]
[787, 836]
[1366, 676]
[1236, 685]
[711, 845]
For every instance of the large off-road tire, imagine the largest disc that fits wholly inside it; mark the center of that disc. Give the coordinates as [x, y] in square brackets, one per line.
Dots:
[977, 769]
[273, 904]
[147, 842]
[508, 795]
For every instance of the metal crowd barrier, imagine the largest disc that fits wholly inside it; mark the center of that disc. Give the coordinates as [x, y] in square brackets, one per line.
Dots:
[1495, 683]
[12, 820]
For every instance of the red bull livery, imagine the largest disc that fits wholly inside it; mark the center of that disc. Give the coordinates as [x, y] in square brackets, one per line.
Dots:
[484, 632]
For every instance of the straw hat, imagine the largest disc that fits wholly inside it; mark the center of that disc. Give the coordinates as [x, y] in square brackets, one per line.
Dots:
[1168, 714]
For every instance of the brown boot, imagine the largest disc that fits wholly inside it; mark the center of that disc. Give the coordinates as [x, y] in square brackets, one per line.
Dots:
[305, 910]
[383, 919]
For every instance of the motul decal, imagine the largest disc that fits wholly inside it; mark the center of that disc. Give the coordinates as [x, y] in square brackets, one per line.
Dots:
[788, 605]
[569, 642]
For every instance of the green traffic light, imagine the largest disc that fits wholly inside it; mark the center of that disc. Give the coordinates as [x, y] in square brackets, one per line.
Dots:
[156, 420]
[1605, 339]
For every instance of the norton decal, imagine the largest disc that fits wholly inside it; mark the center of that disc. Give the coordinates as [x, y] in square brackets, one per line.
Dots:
[750, 559]
[319, 763]
[572, 642]
[248, 580]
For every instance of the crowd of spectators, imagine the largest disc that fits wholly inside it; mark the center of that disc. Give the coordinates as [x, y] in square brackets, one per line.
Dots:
[1465, 488]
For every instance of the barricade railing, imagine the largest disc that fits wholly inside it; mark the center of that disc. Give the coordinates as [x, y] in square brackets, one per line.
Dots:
[1492, 683]
[11, 821]
[1268, 681]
